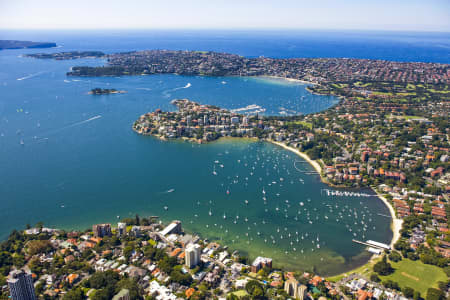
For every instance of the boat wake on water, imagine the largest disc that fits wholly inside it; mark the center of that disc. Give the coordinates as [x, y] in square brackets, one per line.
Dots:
[30, 76]
[188, 85]
[54, 131]
[168, 191]
[167, 93]
[81, 122]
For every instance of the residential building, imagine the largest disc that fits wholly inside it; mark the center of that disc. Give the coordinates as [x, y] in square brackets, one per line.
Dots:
[301, 292]
[121, 229]
[192, 255]
[261, 262]
[101, 230]
[293, 289]
[290, 287]
[20, 285]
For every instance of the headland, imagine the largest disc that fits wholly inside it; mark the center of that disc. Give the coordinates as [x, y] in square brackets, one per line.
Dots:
[13, 44]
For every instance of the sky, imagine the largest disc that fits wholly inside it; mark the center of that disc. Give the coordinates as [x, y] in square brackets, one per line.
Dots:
[401, 15]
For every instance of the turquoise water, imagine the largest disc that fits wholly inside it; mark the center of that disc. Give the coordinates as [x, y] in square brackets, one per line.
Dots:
[80, 163]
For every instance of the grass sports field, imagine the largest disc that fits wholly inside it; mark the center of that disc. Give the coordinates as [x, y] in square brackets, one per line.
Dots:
[416, 275]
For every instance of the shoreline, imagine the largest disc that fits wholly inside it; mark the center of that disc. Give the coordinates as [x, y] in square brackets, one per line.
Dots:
[317, 167]
[303, 155]
[396, 223]
[285, 78]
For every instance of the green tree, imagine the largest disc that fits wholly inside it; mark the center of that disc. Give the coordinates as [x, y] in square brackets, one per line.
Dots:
[383, 267]
[434, 294]
[103, 294]
[255, 288]
[39, 246]
[408, 292]
[416, 295]
[395, 256]
[127, 252]
[391, 285]
[374, 277]
[131, 285]
[75, 294]
[183, 279]
[102, 279]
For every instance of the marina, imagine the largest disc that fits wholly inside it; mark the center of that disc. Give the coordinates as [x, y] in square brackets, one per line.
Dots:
[329, 192]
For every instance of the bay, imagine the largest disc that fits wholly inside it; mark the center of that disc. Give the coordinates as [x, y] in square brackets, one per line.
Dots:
[81, 163]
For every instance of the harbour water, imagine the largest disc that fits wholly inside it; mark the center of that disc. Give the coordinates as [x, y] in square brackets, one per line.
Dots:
[70, 159]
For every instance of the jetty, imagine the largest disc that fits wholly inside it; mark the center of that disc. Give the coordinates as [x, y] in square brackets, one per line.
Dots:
[385, 216]
[373, 244]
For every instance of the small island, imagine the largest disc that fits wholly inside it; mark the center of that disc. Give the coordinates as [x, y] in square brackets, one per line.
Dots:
[100, 91]
[13, 44]
[67, 55]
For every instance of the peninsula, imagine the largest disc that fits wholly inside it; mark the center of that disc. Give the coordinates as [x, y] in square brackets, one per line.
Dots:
[67, 55]
[13, 44]
[223, 64]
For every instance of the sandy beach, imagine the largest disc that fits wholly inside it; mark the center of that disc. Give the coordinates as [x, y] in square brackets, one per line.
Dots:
[396, 224]
[289, 79]
[313, 163]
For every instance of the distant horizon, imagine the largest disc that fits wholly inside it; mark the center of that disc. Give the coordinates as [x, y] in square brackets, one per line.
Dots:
[378, 15]
[225, 29]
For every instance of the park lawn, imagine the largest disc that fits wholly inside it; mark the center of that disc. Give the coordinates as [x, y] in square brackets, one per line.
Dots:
[442, 91]
[304, 123]
[416, 275]
[382, 93]
[406, 117]
[340, 85]
[410, 86]
[412, 117]
[361, 84]
[241, 293]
